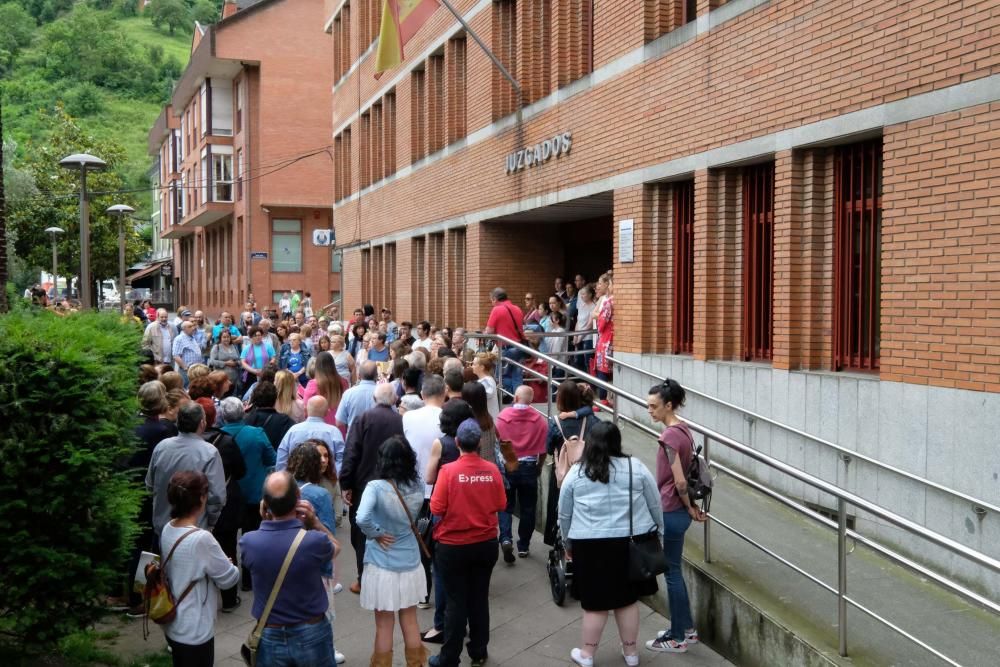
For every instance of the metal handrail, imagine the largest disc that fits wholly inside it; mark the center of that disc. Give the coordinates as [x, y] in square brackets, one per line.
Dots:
[844, 498]
[977, 503]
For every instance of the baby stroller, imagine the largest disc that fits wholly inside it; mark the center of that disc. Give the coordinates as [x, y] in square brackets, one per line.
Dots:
[560, 571]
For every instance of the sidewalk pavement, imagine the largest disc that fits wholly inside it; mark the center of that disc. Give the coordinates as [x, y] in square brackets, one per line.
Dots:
[526, 628]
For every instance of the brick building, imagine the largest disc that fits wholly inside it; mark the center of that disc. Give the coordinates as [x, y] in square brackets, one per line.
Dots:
[805, 187]
[244, 148]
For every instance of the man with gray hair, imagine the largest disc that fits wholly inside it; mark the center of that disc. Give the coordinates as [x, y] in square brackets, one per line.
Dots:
[258, 456]
[158, 338]
[358, 398]
[186, 350]
[314, 427]
[186, 451]
[367, 433]
[507, 320]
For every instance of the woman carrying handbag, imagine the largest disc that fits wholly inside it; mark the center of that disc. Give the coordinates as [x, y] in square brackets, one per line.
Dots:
[393, 581]
[605, 500]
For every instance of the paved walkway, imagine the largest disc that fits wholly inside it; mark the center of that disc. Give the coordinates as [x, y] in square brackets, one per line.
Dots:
[527, 628]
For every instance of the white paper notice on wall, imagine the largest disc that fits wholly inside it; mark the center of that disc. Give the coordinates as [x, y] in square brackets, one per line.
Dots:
[626, 241]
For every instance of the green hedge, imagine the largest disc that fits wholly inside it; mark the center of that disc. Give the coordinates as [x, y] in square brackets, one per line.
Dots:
[67, 511]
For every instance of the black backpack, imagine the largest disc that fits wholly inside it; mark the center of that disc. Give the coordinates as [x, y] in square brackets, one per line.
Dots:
[699, 478]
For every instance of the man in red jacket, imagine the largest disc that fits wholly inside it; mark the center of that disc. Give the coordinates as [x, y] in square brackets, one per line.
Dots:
[467, 496]
[527, 430]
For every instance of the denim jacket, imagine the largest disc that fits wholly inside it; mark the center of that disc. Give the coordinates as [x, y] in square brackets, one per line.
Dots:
[380, 513]
[593, 510]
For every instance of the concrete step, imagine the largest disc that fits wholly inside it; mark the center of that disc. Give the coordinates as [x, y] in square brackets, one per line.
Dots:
[756, 611]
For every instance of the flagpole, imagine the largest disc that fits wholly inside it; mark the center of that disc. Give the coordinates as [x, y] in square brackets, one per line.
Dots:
[496, 61]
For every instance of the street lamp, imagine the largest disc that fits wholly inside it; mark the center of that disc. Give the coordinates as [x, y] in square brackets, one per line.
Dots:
[121, 210]
[55, 231]
[84, 163]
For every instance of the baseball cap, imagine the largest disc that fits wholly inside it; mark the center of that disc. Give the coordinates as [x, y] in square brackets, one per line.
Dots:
[469, 432]
[185, 313]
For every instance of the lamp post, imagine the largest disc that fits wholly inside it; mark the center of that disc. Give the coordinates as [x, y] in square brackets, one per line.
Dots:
[55, 231]
[121, 210]
[84, 163]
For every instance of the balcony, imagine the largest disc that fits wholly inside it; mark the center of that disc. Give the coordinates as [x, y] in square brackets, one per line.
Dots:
[215, 194]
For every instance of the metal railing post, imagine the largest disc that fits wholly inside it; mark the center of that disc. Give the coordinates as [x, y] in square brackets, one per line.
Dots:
[548, 390]
[842, 574]
[708, 522]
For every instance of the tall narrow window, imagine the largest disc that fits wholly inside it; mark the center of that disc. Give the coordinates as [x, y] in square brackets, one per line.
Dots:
[222, 176]
[286, 246]
[758, 260]
[435, 104]
[505, 48]
[690, 10]
[574, 35]
[240, 91]
[342, 42]
[366, 275]
[418, 118]
[346, 165]
[435, 277]
[376, 142]
[338, 170]
[683, 233]
[418, 275]
[389, 129]
[364, 148]
[389, 300]
[857, 255]
[239, 173]
[457, 87]
[536, 51]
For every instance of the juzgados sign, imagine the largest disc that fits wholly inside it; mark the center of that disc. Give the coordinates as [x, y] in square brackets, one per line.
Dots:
[535, 156]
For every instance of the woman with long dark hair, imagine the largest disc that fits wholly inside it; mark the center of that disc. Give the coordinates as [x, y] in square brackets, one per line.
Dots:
[570, 421]
[598, 496]
[393, 580]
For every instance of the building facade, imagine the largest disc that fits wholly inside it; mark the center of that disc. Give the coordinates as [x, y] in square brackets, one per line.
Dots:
[797, 199]
[244, 148]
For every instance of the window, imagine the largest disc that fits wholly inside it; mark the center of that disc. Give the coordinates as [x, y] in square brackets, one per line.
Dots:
[342, 164]
[203, 94]
[389, 280]
[418, 118]
[222, 177]
[342, 42]
[418, 275]
[376, 143]
[758, 260]
[371, 22]
[183, 197]
[505, 48]
[240, 249]
[683, 269]
[180, 139]
[435, 103]
[204, 174]
[457, 85]
[857, 255]
[575, 39]
[336, 261]
[389, 128]
[364, 156]
[240, 91]
[535, 73]
[286, 246]
[662, 16]
[690, 10]
[239, 173]
[220, 108]
[366, 275]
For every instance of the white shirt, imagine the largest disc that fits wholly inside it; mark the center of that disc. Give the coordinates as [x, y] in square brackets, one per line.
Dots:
[492, 400]
[584, 313]
[285, 305]
[425, 343]
[421, 428]
[198, 558]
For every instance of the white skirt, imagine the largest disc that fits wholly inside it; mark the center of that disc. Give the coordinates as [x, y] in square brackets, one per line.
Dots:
[385, 590]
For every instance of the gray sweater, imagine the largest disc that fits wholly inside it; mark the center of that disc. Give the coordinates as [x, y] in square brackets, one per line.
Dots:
[186, 451]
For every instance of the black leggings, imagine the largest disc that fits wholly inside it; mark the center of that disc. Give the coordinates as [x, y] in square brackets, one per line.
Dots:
[185, 655]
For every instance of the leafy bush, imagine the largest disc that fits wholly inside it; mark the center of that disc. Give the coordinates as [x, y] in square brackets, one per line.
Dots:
[67, 511]
[84, 99]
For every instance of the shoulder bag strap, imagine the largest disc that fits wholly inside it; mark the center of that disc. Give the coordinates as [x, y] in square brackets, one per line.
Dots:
[517, 328]
[413, 526]
[583, 430]
[262, 621]
[177, 544]
[630, 528]
[559, 426]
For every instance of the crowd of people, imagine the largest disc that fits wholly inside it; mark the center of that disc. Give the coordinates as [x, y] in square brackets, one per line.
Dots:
[259, 436]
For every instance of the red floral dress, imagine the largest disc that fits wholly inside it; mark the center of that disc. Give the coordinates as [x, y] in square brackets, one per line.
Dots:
[605, 335]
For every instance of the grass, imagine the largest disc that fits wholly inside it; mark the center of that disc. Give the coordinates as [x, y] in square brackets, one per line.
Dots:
[142, 31]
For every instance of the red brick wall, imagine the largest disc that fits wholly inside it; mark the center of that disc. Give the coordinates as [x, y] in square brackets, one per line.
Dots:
[940, 237]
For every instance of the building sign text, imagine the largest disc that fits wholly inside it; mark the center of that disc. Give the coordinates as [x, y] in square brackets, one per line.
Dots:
[535, 156]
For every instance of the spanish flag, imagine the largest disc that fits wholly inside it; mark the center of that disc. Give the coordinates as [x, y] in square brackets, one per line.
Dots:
[401, 19]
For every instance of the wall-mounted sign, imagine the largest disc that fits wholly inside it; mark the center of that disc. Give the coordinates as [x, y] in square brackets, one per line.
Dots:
[537, 155]
[626, 241]
[258, 255]
[324, 237]
[167, 270]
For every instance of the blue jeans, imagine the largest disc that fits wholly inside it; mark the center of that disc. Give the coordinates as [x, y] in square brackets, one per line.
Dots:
[513, 375]
[523, 487]
[675, 524]
[300, 645]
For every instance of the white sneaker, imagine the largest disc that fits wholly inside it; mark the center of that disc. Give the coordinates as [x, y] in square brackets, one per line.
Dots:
[576, 655]
[339, 587]
[339, 657]
[630, 660]
[691, 636]
[663, 644]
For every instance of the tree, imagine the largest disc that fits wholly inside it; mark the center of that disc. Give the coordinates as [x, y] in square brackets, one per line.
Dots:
[3, 219]
[205, 12]
[18, 29]
[58, 205]
[171, 13]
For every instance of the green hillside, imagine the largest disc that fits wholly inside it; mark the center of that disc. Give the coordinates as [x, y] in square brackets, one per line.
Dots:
[109, 69]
